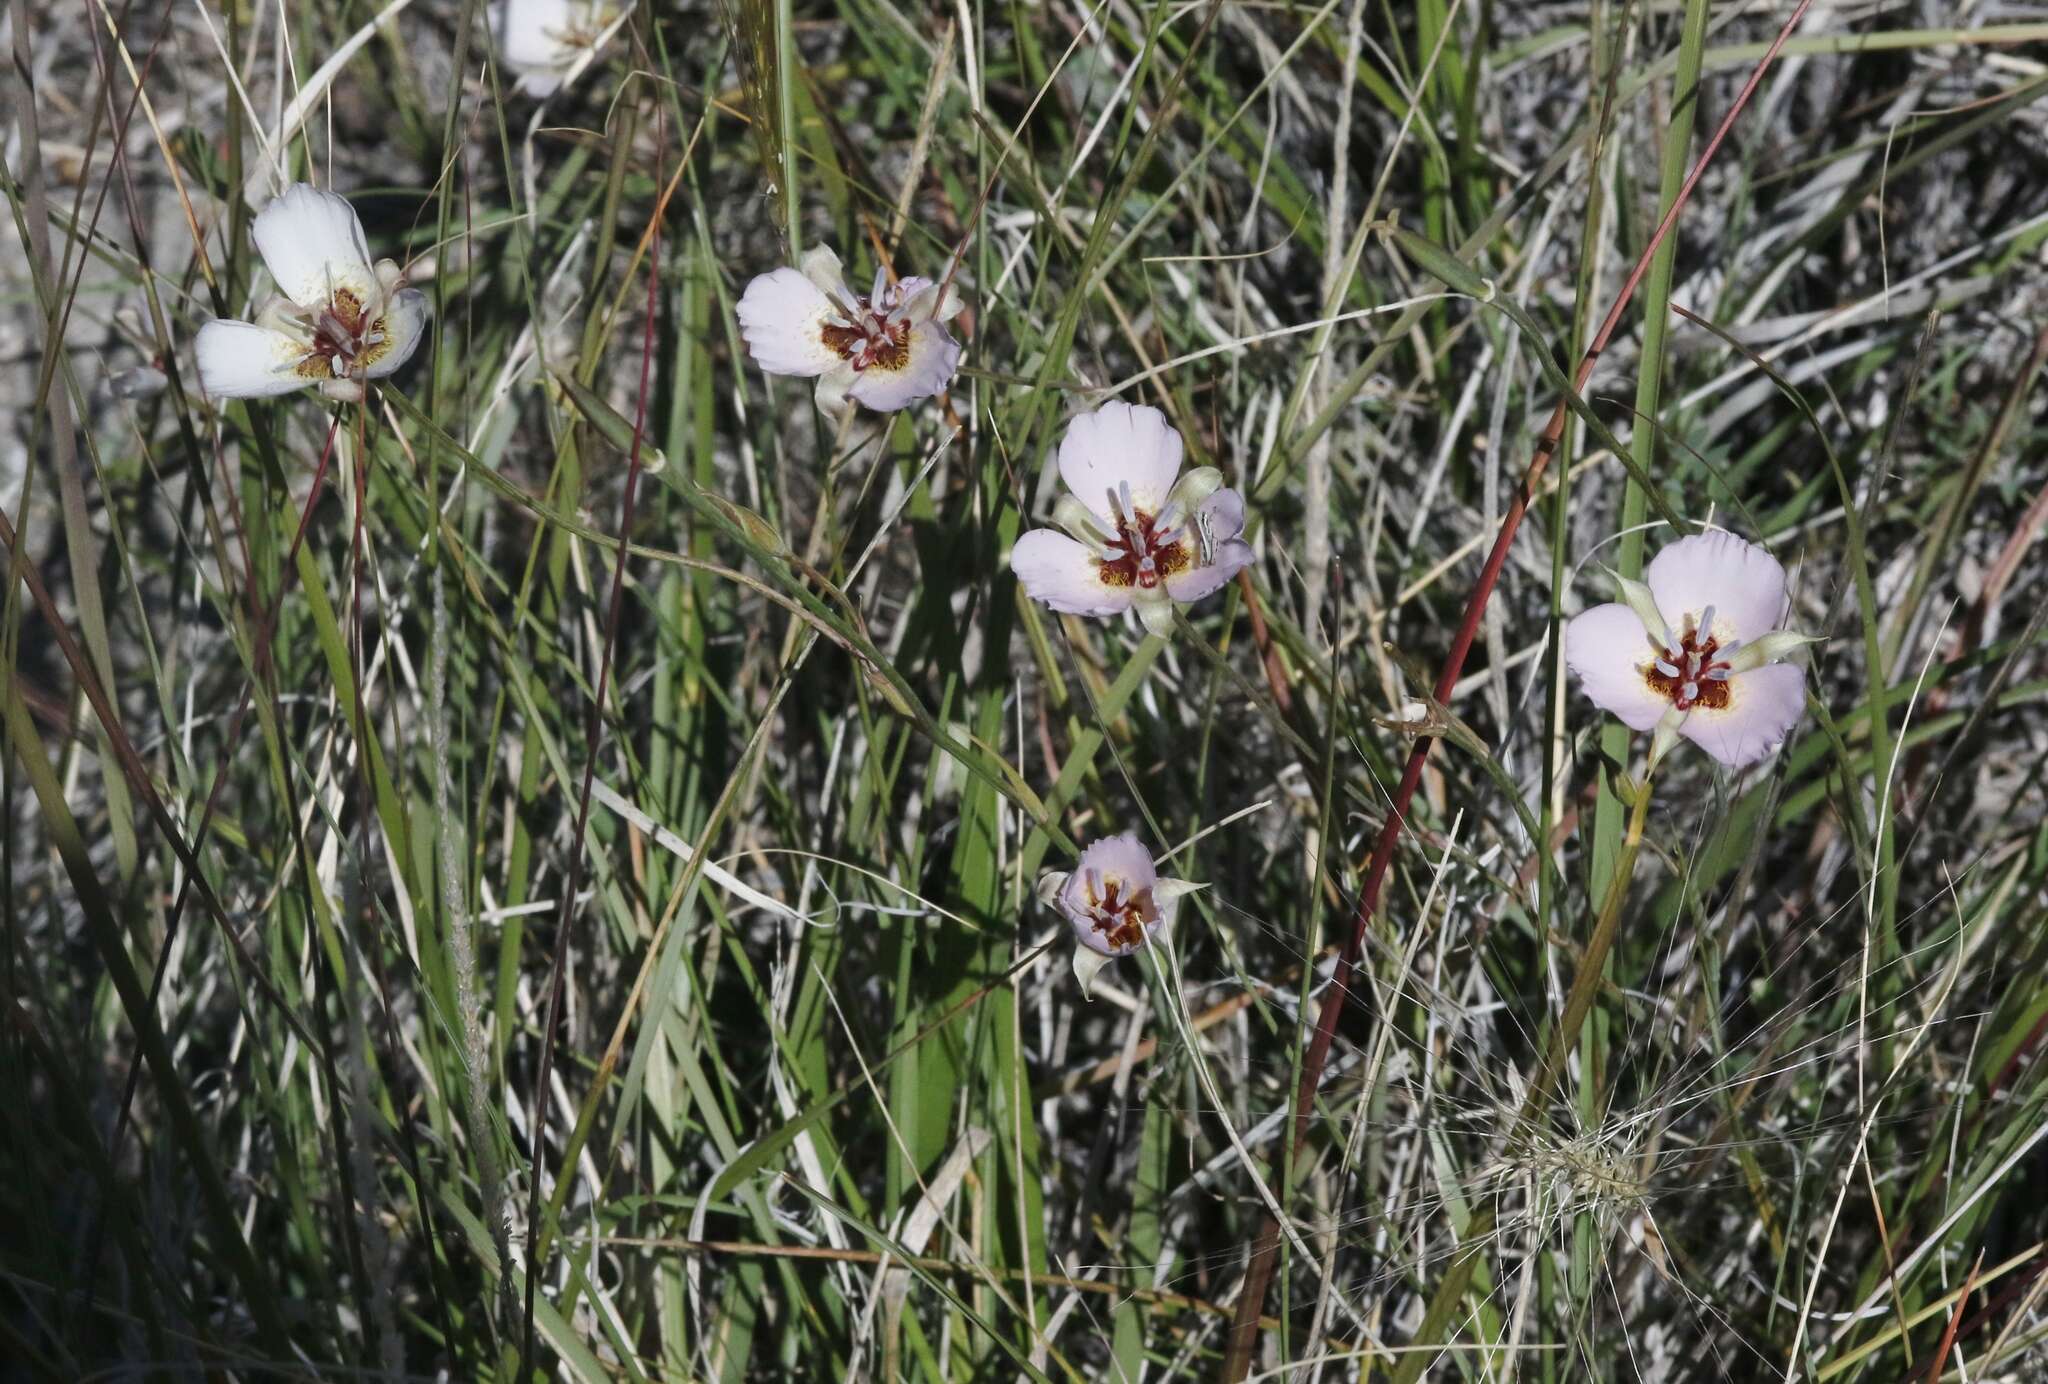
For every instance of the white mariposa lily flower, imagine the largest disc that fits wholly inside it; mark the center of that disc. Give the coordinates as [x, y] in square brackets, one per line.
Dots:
[886, 351]
[541, 41]
[1694, 650]
[1135, 536]
[339, 320]
[1115, 901]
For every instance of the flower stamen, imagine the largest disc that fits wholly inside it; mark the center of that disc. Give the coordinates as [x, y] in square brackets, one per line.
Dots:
[344, 336]
[1696, 672]
[871, 331]
[1117, 911]
[1143, 553]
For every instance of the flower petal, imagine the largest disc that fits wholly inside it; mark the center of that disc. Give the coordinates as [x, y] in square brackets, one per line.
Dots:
[312, 242]
[1608, 648]
[1743, 583]
[781, 315]
[405, 319]
[1222, 515]
[1117, 445]
[1065, 575]
[239, 360]
[1763, 706]
[904, 291]
[1121, 856]
[1219, 518]
[1232, 557]
[530, 38]
[927, 368]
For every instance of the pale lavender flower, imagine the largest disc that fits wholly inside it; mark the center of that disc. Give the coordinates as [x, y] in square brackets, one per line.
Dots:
[1115, 901]
[1693, 650]
[1135, 536]
[885, 351]
[339, 320]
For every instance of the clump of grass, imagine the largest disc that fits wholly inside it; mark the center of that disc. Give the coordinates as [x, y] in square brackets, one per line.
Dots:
[329, 754]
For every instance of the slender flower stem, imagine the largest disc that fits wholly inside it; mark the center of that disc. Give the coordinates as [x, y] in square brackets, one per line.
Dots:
[1244, 1328]
[1587, 982]
[1585, 985]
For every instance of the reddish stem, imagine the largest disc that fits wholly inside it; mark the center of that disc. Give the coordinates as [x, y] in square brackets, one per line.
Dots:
[1244, 1327]
[1955, 1319]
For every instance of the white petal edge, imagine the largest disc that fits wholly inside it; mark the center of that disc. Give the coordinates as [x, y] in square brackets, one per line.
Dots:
[934, 356]
[1120, 444]
[405, 320]
[1607, 648]
[1742, 582]
[239, 360]
[312, 242]
[780, 315]
[1059, 572]
[1764, 705]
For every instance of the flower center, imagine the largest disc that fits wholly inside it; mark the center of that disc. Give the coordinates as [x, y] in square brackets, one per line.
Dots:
[346, 339]
[582, 28]
[1696, 672]
[1146, 549]
[877, 335]
[1119, 912]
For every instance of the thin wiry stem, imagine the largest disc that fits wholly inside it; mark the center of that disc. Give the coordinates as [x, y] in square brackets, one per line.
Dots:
[593, 728]
[1244, 1330]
